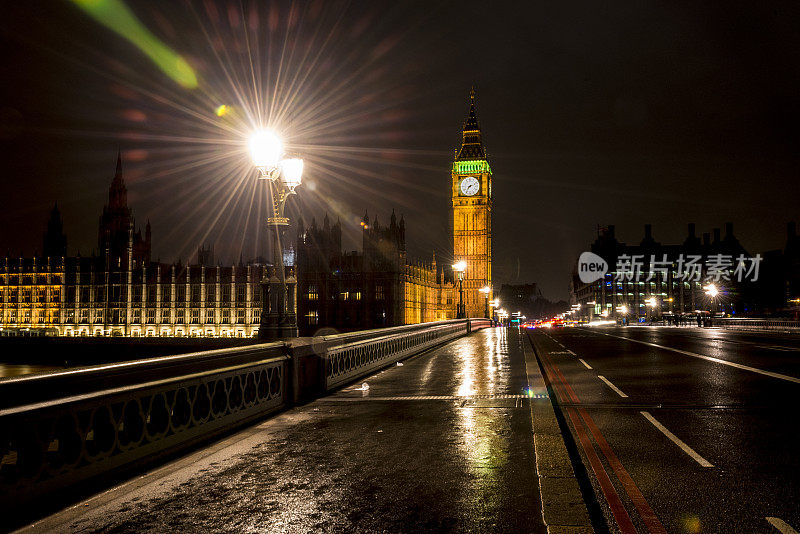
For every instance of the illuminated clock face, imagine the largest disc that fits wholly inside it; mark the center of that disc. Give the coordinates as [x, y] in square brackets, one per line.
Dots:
[470, 186]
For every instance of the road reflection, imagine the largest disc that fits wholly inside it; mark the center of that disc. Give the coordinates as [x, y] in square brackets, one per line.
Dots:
[483, 425]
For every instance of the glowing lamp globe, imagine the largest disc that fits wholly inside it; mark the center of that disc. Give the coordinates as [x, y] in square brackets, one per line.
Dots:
[292, 172]
[461, 266]
[266, 149]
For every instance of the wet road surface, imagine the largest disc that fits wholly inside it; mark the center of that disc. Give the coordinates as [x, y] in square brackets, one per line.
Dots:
[441, 443]
[695, 429]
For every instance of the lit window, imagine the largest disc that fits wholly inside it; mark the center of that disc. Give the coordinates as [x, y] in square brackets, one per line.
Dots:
[312, 292]
[313, 317]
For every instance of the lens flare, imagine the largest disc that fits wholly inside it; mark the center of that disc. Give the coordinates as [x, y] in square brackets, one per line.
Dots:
[114, 14]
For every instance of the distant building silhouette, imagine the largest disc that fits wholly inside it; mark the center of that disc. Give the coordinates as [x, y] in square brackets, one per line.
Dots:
[116, 237]
[771, 294]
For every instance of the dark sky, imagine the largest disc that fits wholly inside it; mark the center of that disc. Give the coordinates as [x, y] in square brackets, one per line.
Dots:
[593, 113]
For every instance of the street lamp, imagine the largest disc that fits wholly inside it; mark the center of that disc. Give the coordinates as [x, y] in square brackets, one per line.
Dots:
[652, 303]
[279, 299]
[486, 290]
[502, 314]
[495, 304]
[712, 291]
[459, 267]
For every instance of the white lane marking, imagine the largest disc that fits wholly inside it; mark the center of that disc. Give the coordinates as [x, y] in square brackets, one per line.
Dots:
[584, 363]
[715, 360]
[781, 525]
[612, 386]
[677, 441]
[777, 347]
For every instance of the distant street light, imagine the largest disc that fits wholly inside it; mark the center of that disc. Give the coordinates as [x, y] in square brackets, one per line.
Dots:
[279, 299]
[459, 267]
[495, 304]
[623, 309]
[486, 290]
[652, 303]
[712, 291]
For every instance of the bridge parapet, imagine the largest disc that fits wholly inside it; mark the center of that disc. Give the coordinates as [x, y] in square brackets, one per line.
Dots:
[779, 325]
[63, 428]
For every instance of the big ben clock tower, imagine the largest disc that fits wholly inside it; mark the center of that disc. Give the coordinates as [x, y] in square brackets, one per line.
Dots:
[472, 213]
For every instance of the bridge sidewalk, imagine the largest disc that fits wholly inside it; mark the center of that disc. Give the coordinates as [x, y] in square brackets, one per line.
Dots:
[443, 442]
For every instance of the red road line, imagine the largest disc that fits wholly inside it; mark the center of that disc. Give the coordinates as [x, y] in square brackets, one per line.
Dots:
[607, 487]
[645, 511]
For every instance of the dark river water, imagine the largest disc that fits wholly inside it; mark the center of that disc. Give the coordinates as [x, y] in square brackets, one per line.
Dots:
[27, 355]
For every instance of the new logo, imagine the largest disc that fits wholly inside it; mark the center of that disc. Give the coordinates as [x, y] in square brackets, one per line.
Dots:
[591, 267]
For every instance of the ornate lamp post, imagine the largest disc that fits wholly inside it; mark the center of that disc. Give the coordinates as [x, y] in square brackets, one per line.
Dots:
[486, 290]
[279, 299]
[459, 268]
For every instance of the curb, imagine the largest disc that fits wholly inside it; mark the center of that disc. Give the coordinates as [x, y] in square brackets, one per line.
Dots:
[563, 507]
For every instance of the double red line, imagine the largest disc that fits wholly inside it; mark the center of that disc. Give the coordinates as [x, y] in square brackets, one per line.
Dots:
[565, 391]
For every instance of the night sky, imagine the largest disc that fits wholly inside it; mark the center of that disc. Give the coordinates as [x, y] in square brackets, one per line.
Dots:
[620, 113]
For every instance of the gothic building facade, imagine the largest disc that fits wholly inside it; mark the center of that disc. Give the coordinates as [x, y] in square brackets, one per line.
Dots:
[375, 288]
[120, 291]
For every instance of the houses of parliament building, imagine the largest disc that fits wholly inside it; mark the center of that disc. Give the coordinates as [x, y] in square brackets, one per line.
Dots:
[120, 291]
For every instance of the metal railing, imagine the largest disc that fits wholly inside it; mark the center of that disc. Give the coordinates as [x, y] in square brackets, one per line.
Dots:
[62, 428]
[94, 420]
[780, 325]
[350, 356]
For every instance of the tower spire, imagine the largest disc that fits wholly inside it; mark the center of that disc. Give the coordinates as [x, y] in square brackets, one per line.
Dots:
[471, 143]
[119, 163]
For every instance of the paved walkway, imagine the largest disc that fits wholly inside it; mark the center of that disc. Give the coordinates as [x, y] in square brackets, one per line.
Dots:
[440, 443]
